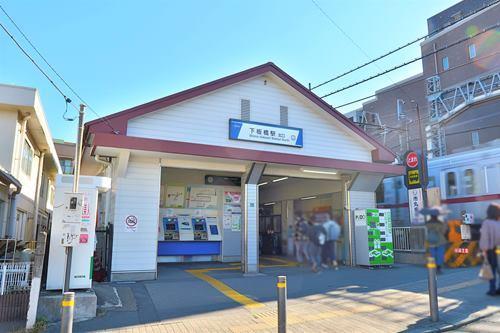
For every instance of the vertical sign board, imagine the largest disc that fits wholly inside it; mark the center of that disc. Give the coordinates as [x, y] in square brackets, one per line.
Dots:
[413, 182]
[375, 227]
[71, 219]
[416, 204]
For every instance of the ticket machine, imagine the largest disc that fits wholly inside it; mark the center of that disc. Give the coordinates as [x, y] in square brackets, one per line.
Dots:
[214, 233]
[199, 228]
[171, 228]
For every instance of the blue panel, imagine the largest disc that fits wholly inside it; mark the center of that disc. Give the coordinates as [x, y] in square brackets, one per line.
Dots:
[188, 248]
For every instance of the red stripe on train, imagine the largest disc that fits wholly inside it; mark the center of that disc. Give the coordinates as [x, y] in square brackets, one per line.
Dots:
[487, 197]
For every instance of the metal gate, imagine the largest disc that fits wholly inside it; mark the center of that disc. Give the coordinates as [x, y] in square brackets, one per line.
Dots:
[103, 252]
[16, 267]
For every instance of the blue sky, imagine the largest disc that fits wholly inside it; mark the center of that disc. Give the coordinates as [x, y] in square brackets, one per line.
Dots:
[118, 54]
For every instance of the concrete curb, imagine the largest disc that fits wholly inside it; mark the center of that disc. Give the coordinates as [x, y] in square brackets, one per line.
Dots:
[462, 323]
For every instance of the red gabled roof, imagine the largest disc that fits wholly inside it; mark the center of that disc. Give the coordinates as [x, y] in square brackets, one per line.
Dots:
[118, 121]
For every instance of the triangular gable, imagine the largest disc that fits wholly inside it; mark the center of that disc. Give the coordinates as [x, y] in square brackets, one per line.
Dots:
[118, 121]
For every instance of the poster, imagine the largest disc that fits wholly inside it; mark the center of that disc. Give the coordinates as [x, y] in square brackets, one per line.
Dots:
[175, 197]
[226, 222]
[235, 222]
[231, 197]
[202, 197]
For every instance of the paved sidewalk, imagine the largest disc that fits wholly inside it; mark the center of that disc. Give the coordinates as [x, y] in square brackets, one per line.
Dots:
[348, 300]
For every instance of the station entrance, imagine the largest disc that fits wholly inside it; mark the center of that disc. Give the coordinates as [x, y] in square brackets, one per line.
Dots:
[201, 213]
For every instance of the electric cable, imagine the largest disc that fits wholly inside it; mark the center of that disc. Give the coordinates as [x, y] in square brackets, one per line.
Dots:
[412, 61]
[396, 49]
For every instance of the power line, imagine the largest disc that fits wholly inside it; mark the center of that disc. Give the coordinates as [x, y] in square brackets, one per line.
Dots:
[421, 79]
[53, 70]
[394, 50]
[36, 65]
[411, 61]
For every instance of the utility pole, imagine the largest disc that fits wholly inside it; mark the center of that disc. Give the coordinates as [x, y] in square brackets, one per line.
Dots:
[423, 152]
[76, 176]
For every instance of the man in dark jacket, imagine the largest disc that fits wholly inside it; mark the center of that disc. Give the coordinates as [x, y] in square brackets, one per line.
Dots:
[317, 238]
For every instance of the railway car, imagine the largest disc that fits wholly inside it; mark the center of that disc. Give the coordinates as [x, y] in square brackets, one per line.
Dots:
[468, 181]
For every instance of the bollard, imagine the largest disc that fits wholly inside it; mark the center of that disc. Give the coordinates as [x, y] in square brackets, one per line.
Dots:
[68, 305]
[433, 300]
[281, 304]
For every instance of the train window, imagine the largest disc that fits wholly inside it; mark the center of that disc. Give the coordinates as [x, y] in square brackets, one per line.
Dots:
[469, 181]
[492, 176]
[431, 181]
[379, 193]
[451, 184]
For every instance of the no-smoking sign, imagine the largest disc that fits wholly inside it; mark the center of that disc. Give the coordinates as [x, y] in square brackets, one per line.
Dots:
[131, 222]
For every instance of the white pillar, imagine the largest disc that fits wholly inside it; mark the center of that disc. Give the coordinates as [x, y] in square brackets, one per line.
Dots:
[250, 206]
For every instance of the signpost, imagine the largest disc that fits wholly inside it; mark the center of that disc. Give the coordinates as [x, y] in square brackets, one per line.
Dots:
[414, 183]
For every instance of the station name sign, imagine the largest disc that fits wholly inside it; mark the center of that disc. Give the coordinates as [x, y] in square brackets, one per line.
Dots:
[265, 133]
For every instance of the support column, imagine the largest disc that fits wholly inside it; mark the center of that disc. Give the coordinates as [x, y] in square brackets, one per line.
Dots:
[250, 206]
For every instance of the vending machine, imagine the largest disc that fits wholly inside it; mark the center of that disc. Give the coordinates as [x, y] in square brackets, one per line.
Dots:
[373, 237]
[73, 224]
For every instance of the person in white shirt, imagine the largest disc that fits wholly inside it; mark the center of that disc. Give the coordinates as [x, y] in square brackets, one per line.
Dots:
[332, 229]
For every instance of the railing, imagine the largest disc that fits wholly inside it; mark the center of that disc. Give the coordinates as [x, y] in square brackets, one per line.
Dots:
[14, 276]
[409, 239]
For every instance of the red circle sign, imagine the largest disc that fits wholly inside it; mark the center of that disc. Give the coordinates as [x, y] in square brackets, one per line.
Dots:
[412, 160]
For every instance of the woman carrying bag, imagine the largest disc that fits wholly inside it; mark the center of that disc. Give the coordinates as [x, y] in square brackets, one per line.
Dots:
[490, 239]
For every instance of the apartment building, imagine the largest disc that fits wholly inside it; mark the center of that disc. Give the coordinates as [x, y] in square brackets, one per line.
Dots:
[457, 92]
[28, 164]
[66, 152]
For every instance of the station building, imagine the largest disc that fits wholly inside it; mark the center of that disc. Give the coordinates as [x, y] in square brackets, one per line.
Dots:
[207, 174]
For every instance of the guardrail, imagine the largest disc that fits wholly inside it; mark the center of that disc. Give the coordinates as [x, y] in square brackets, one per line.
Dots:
[409, 239]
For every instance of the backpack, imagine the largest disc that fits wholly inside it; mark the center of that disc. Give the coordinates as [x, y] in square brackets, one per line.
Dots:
[318, 235]
[333, 231]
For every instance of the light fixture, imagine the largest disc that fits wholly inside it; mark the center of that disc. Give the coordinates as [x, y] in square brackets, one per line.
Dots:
[319, 171]
[269, 203]
[279, 179]
[308, 198]
[264, 183]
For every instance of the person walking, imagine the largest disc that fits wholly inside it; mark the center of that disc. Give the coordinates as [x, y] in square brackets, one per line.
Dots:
[489, 240]
[436, 237]
[300, 238]
[317, 238]
[332, 229]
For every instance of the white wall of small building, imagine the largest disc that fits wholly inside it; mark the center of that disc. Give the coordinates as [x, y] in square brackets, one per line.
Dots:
[136, 193]
[205, 119]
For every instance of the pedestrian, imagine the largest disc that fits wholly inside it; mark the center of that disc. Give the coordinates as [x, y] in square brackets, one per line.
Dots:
[332, 229]
[300, 237]
[436, 236]
[317, 237]
[489, 240]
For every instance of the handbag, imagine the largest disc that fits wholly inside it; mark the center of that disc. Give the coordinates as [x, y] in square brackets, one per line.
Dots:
[486, 273]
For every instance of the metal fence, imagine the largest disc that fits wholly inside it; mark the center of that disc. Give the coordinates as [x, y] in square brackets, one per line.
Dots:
[409, 239]
[16, 267]
[103, 253]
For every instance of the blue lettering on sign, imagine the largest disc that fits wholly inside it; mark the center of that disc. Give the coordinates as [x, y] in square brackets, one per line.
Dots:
[265, 133]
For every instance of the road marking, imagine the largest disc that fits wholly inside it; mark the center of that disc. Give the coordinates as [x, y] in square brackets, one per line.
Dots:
[224, 288]
[202, 274]
[460, 285]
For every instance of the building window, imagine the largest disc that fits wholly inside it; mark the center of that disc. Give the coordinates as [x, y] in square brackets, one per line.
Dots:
[245, 109]
[475, 138]
[446, 63]
[283, 115]
[469, 181]
[451, 184]
[472, 51]
[66, 166]
[27, 158]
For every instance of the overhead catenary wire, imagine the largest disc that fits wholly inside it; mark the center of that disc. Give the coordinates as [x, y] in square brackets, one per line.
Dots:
[421, 79]
[53, 70]
[399, 48]
[412, 61]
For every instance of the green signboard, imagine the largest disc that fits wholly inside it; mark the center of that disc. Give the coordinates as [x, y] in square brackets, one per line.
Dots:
[374, 226]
